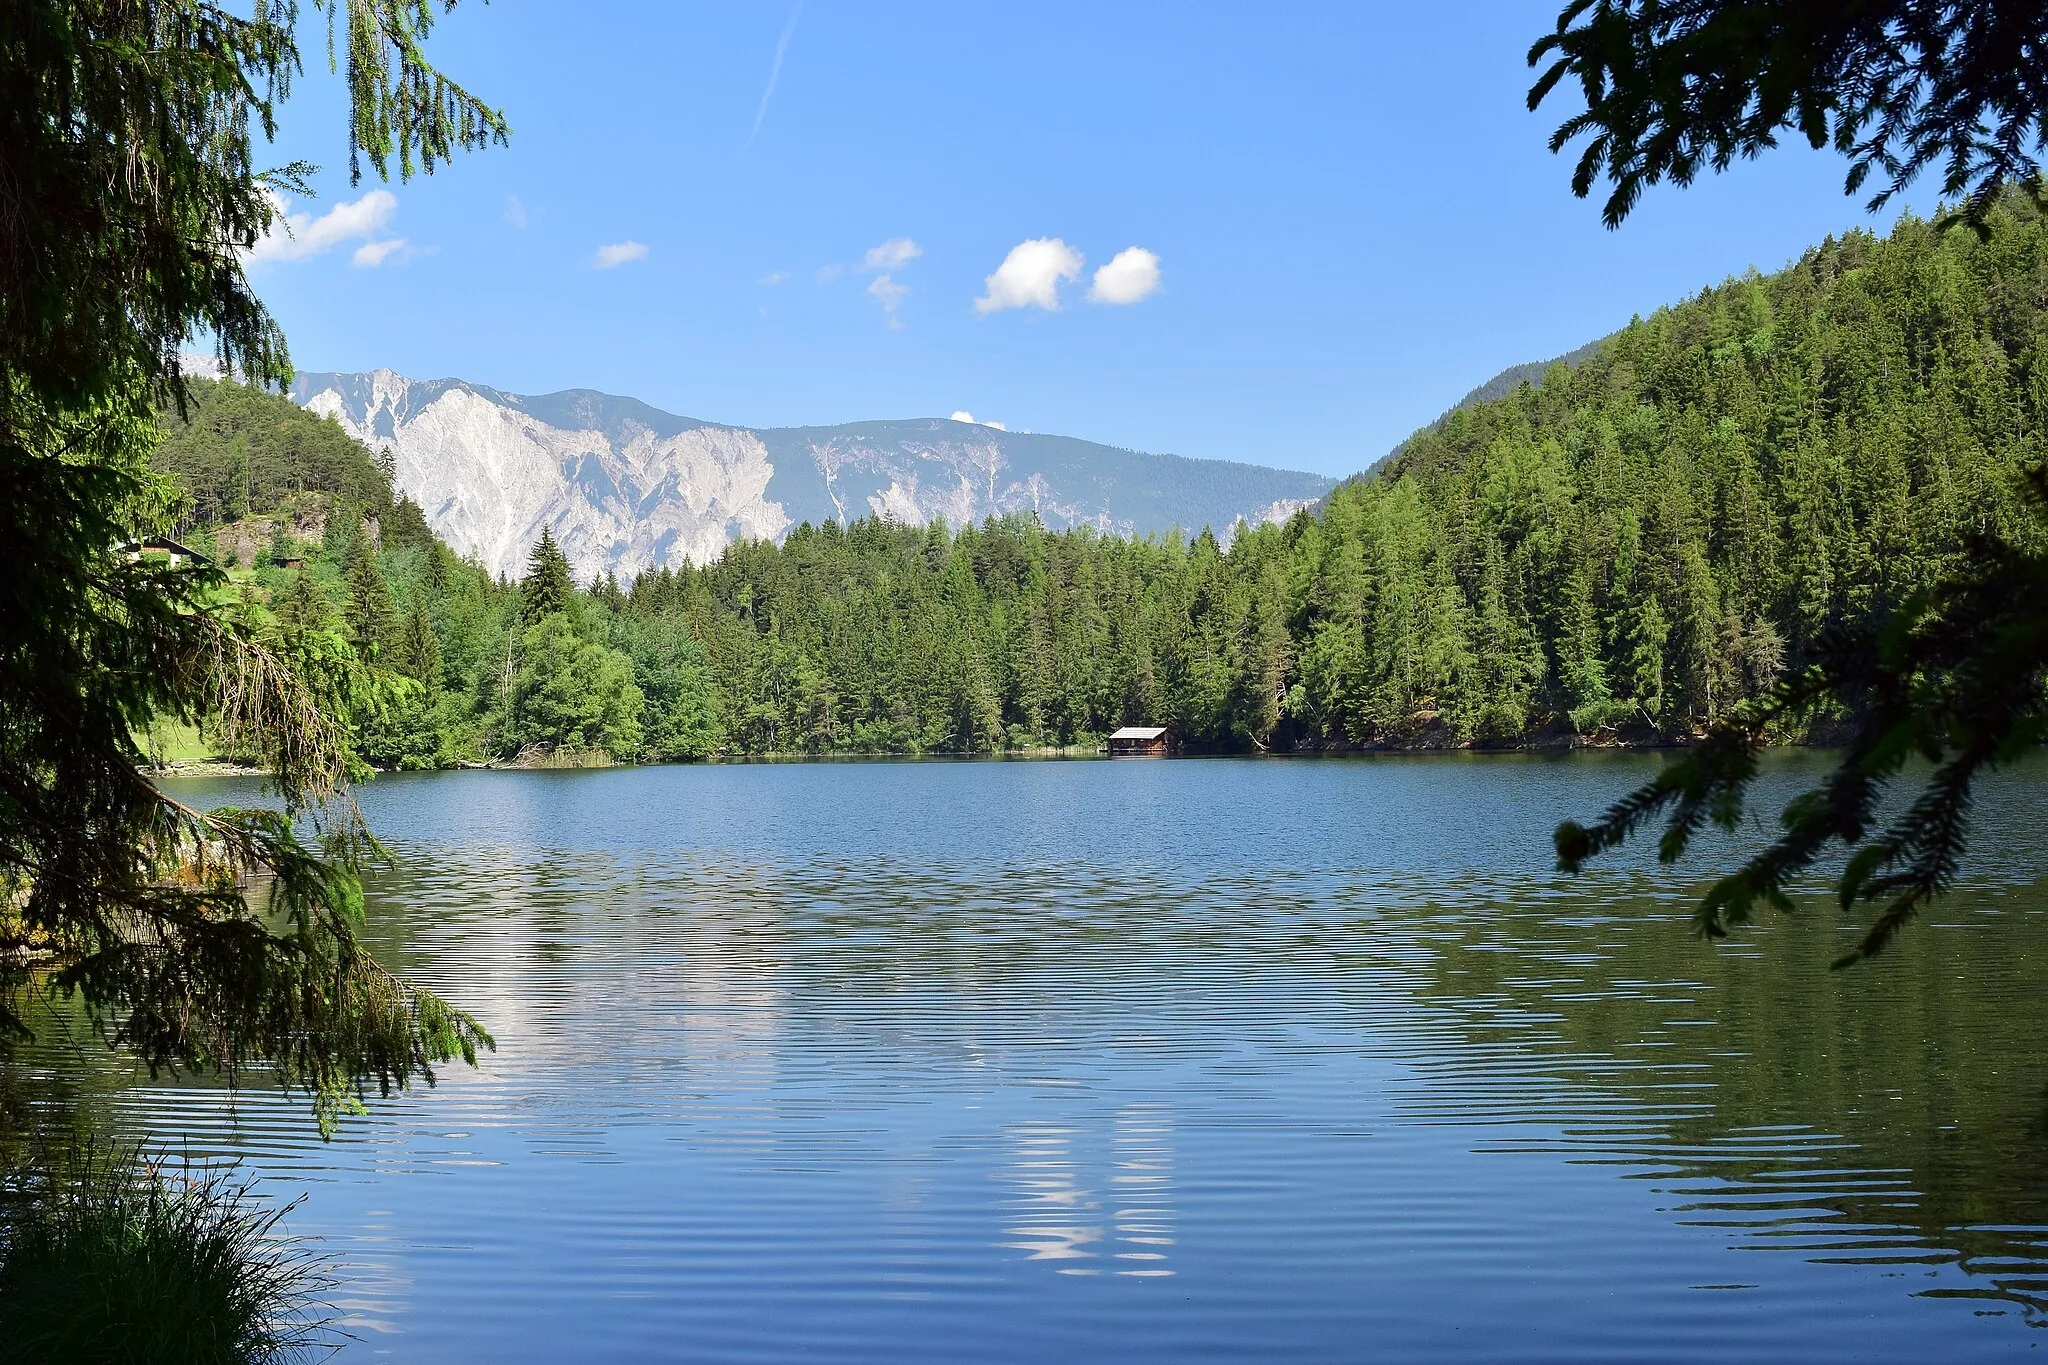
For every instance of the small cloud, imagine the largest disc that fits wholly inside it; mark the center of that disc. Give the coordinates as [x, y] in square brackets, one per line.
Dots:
[515, 212]
[1132, 274]
[300, 236]
[963, 415]
[829, 273]
[370, 255]
[618, 254]
[1030, 276]
[893, 254]
[773, 278]
[889, 294]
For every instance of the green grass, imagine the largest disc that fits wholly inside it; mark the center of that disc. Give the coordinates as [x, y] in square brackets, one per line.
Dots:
[109, 1258]
[168, 742]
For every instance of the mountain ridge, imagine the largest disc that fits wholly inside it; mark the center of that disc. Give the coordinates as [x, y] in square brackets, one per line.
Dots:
[626, 486]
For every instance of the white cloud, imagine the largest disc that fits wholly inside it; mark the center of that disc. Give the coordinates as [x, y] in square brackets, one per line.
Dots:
[515, 212]
[963, 415]
[1131, 274]
[892, 254]
[889, 294]
[773, 278]
[619, 253]
[370, 255]
[829, 273]
[300, 236]
[1030, 276]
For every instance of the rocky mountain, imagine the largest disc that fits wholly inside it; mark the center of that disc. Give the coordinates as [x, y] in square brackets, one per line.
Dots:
[626, 487]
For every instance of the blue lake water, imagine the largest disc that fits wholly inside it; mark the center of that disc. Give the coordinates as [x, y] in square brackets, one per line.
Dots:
[1160, 1061]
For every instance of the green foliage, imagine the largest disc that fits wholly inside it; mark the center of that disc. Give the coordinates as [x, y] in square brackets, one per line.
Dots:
[680, 718]
[1957, 678]
[547, 589]
[418, 653]
[571, 693]
[1924, 625]
[1642, 544]
[302, 607]
[130, 901]
[108, 1259]
[1675, 86]
[106, 271]
[372, 621]
[126, 132]
[238, 451]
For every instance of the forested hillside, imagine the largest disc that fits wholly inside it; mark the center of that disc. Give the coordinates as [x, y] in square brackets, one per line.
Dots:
[236, 451]
[1628, 548]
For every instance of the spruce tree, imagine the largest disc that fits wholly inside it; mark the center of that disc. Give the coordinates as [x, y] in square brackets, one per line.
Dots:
[302, 608]
[419, 652]
[547, 588]
[372, 621]
[127, 136]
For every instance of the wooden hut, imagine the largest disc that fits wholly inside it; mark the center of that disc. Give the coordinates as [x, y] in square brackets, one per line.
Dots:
[1138, 741]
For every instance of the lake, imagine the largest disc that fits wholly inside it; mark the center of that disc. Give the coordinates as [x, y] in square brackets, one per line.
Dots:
[1306, 1059]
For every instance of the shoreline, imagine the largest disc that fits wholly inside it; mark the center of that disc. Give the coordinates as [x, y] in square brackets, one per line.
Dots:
[1423, 747]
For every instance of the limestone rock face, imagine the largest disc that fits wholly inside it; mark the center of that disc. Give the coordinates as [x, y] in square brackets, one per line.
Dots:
[490, 475]
[626, 487]
[303, 518]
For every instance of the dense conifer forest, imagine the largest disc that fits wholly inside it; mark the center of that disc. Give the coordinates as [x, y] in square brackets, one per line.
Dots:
[1624, 550]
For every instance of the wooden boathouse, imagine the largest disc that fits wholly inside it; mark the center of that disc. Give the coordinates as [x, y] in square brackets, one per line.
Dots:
[1139, 741]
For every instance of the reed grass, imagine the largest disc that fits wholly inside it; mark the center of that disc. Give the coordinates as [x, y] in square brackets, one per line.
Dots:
[107, 1255]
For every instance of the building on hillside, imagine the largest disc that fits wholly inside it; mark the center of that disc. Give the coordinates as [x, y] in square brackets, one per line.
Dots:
[1139, 741]
[160, 550]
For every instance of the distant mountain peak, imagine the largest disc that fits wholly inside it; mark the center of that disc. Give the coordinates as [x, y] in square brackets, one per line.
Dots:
[625, 486]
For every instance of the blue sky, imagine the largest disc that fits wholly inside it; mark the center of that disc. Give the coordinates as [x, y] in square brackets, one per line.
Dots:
[1353, 218]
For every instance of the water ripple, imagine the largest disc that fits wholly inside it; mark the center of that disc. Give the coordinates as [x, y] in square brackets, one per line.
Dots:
[796, 1062]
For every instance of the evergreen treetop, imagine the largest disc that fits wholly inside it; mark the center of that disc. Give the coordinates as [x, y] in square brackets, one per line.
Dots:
[548, 588]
